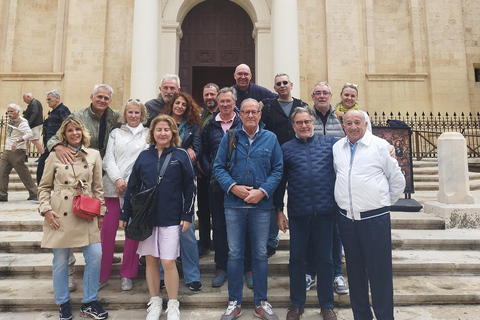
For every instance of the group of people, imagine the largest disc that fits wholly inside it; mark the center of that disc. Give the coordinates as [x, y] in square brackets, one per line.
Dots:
[237, 156]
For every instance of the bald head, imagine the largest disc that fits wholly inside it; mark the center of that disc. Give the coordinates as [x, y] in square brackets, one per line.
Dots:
[27, 97]
[242, 76]
[355, 125]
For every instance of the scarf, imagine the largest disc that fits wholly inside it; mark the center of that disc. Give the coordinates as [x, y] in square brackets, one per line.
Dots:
[341, 108]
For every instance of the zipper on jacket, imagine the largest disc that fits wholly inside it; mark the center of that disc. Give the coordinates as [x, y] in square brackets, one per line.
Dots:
[350, 181]
[309, 163]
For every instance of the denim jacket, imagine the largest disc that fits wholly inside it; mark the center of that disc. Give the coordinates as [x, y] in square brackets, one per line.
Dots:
[258, 165]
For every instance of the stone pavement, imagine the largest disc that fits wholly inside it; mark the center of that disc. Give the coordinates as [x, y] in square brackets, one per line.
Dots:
[436, 273]
[455, 312]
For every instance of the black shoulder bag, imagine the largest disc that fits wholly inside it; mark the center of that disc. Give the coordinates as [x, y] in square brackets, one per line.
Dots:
[144, 206]
[214, 185]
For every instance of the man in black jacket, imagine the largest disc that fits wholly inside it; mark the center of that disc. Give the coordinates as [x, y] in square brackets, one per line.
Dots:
[276, 117]
[34, 116]
[168, 87]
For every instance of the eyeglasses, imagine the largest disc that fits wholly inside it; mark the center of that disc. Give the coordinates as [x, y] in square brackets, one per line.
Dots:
[319, 93]
[284, 82]
[130, 100]
[253, 112]
[300, 123]
[243, 74]
[348, 84]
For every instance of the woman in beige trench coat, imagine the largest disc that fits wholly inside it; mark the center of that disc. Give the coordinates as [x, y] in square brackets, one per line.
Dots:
[62, 229]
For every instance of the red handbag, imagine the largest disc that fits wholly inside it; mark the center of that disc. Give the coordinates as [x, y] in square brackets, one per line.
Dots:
[85, 206]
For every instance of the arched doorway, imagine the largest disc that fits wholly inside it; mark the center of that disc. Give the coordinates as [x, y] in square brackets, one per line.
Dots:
[217, 36]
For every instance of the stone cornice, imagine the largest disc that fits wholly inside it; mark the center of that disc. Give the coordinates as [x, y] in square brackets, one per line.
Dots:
[396, 76]
[24, 76]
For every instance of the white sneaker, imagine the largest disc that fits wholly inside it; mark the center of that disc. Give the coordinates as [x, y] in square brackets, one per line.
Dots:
[154, 308]
[127, 284]
[309, 282]
[340, 285]
[173, 311]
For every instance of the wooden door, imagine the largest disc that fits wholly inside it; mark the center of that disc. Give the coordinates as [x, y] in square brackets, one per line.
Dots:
[217, 36]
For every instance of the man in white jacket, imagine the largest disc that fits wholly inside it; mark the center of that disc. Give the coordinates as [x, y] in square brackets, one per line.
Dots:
[368, 182]
[14, 155]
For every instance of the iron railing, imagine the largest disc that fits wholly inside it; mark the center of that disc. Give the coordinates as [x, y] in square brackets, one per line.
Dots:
[427, 128]
[425, 131]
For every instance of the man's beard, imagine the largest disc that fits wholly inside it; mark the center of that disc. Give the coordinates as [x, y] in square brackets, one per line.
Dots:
[212, 107]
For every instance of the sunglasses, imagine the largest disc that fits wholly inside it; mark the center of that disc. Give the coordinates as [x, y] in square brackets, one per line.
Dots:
[284, 82]
[348, 84]
[130, 100]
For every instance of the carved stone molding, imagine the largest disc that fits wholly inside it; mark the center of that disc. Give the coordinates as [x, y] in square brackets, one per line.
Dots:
[23, 76]
[396, 76]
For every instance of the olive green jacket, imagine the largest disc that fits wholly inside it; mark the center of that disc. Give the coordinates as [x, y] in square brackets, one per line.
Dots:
[92, 123]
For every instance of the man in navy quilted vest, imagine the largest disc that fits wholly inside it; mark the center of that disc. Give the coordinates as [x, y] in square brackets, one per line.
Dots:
[308, 169]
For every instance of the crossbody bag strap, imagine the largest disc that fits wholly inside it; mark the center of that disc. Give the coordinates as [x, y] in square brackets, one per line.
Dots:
[164, 167]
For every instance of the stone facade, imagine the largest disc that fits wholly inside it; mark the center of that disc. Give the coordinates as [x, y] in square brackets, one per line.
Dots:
[405, 55]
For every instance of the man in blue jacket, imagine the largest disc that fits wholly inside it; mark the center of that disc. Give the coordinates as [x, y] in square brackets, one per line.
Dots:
[249, 181]
[224, 119]
[308, 169]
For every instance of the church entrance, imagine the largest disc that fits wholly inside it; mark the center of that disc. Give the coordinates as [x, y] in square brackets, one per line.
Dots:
[217, 36]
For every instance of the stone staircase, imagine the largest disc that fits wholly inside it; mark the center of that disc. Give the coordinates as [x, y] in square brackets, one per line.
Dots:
[425, 175]
[432, 265]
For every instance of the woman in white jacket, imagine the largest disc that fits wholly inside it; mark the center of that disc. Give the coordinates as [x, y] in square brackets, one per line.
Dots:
[124, 146]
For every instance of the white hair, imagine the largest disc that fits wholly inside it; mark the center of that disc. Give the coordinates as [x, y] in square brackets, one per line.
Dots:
[171, 77]
[105, 86]
[15, 106]
[54, 93]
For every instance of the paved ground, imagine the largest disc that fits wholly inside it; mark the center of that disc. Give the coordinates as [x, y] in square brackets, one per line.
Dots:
[456, 312]
[430, 312]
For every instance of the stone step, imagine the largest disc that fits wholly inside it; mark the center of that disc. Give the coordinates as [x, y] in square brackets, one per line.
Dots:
[24, 294]
[433, 186]
[425, 163]
[405, 263]
[451, 239]
[16, 179]
[423, 312]
[26, 218]
[434, 177]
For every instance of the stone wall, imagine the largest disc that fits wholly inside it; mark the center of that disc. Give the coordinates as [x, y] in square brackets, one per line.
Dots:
[405, 55]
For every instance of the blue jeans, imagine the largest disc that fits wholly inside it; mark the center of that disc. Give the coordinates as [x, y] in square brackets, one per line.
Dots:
[320, 227]
[273, 238]
[189, 254]
[91, 275]
[220, 245]
[258, 222]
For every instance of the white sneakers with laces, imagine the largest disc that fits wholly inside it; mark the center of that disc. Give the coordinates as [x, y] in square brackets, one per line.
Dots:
[154, 308]
[173, 311]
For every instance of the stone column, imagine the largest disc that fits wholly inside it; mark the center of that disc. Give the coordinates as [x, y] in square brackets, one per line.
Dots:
[145, 42]
[455, 204]
[454, 184]
[285, 42]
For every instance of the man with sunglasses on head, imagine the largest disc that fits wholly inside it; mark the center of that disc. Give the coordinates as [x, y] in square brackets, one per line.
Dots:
[276, 117]
[246, 89]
